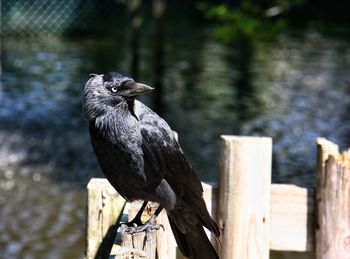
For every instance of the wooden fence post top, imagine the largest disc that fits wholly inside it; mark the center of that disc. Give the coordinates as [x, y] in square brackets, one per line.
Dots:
[100, 183]
[328, 147]
[332, 196]
[244, 197]
[245, 138]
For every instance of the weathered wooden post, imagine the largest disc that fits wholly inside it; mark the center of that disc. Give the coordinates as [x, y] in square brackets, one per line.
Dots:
[104, 207]
[244, 197]
[332, 235]
[165, 245]
[139, 241]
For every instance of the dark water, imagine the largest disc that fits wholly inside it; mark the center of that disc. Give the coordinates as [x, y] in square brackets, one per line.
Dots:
[294, 89]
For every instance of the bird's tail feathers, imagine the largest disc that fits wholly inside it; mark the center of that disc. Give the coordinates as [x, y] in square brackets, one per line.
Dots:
[194, 244]
[207, 221]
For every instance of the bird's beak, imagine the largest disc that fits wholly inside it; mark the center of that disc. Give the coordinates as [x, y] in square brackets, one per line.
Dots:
[138, 89]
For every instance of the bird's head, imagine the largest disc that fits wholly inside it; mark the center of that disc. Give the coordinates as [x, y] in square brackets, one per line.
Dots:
[110, 90]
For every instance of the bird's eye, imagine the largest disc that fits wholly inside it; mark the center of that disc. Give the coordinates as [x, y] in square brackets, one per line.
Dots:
[114, 89]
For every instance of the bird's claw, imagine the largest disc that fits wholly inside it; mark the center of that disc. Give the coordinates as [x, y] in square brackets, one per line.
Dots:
[147, 228]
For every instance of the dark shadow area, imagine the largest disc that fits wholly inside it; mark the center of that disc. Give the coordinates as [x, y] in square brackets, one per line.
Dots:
[159, 7]
[291, 255]
[108, 240]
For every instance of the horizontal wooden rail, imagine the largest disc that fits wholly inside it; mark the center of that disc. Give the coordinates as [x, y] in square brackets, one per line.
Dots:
[291, 218]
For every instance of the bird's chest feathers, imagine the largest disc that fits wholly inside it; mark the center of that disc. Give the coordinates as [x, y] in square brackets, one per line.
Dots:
[122, 135]
[120, 129]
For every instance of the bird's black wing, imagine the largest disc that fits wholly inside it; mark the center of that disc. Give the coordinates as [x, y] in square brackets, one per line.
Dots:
[164, 159]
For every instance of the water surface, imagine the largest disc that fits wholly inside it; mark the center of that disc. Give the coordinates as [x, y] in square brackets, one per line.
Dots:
[294, 89]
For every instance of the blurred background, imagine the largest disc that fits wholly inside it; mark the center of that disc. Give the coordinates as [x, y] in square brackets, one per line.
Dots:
[276, 68]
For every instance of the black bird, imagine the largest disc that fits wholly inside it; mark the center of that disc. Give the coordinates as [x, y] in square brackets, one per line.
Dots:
[141, 158]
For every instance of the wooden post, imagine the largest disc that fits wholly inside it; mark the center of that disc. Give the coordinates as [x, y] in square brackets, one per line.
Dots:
[165, 246]
[332, 234]
[244, 197]
[104, 206]
[139, 241]
[129, 253]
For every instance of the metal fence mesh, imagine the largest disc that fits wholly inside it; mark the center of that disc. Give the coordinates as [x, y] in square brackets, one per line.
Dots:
[32, 17]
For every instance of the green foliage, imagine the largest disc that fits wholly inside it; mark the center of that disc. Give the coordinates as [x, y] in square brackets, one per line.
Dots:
[248, 20]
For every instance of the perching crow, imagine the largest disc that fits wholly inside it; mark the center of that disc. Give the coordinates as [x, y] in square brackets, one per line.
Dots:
[141, 158]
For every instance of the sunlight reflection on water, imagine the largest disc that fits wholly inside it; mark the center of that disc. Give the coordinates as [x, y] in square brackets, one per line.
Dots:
[295, 93]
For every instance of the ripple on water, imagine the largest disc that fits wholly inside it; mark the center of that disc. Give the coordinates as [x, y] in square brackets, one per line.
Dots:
[41, 221]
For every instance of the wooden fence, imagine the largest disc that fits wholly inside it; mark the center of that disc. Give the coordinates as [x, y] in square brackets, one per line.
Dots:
[254, 215]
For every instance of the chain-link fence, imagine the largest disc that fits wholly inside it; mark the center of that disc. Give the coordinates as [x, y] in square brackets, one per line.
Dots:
[33, 17]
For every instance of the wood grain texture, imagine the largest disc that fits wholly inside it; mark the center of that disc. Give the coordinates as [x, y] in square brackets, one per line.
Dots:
[291, 221]
[166, 244]
[332, 233]
[291, 218]
[139, 241]
[104, 206]
[130, 253]
[244, 197]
